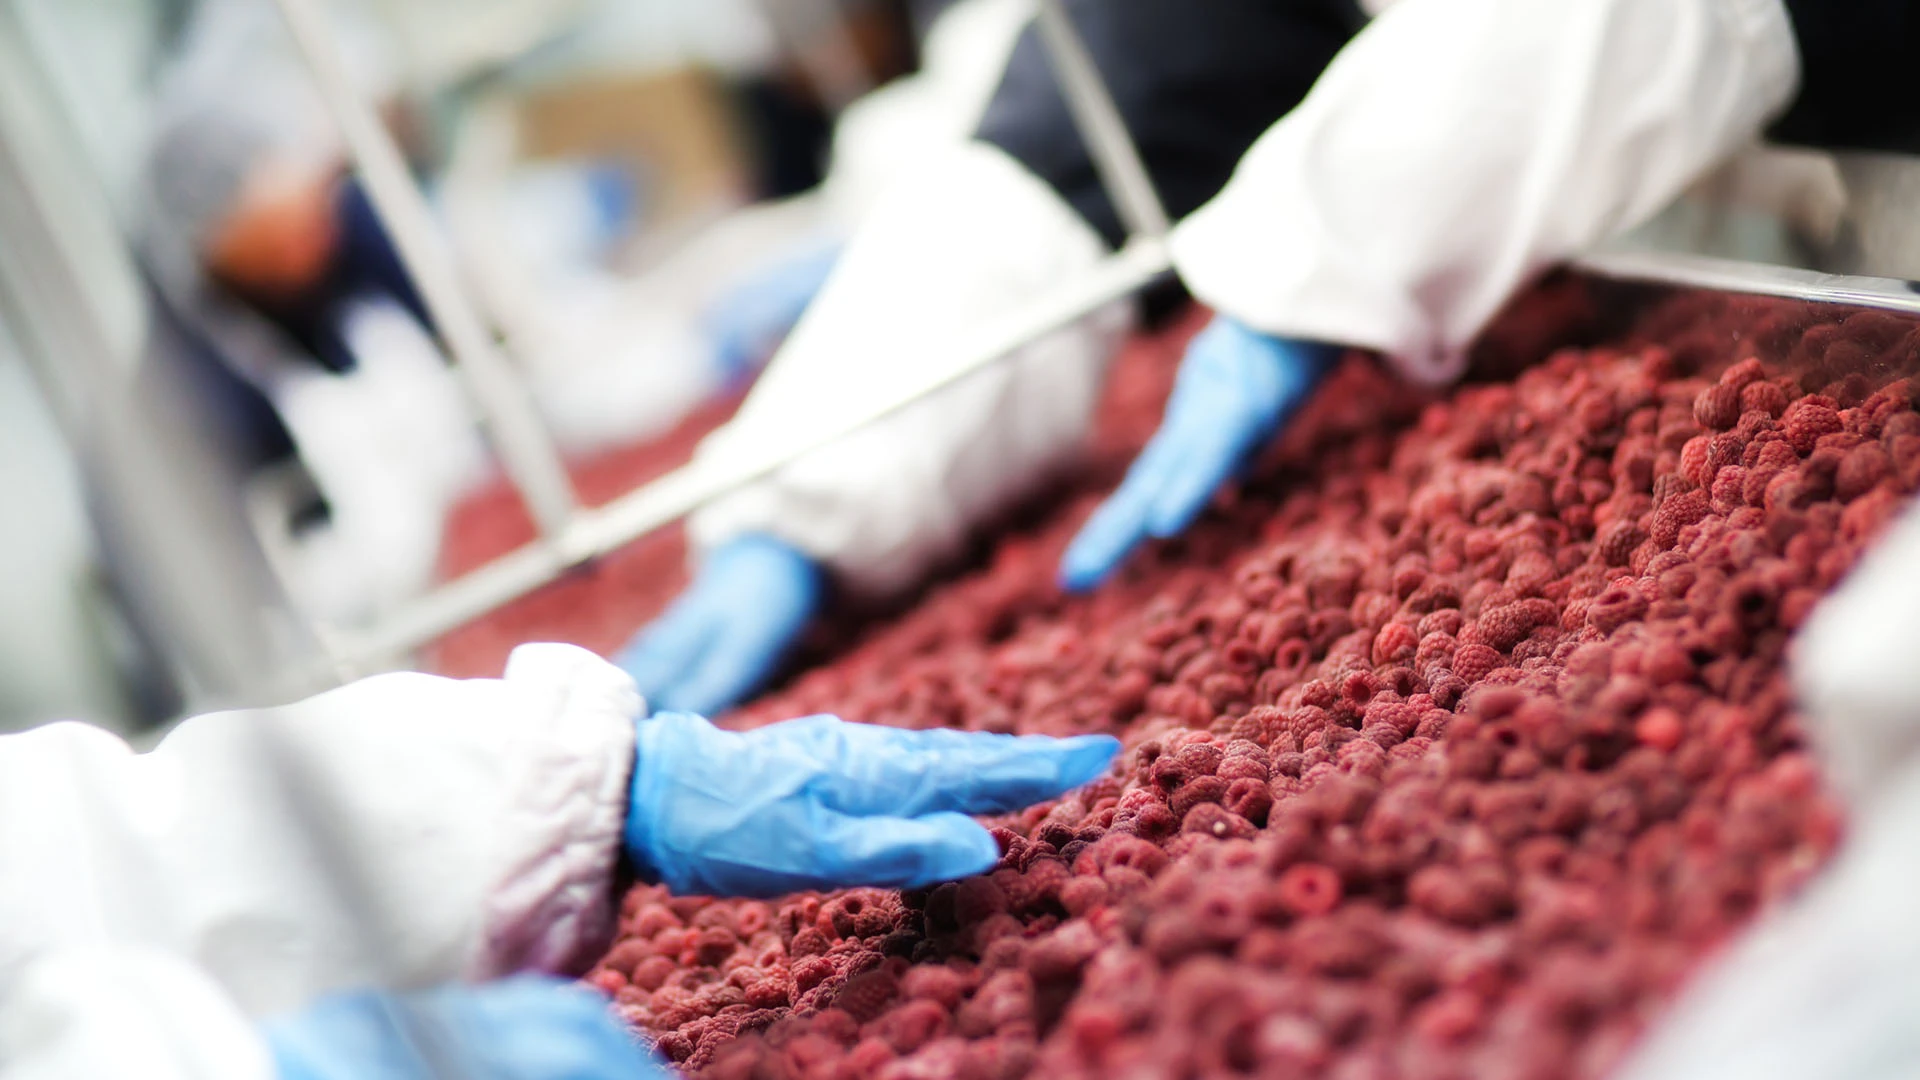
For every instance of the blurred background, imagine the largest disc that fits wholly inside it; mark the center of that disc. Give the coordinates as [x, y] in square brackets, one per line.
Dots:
[214, 369]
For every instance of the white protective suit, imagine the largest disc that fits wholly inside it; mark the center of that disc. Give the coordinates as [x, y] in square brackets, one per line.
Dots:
[152, 906]
[1453, 150]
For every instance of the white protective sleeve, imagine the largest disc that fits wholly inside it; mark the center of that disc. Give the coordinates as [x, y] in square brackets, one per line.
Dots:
[971, 237]
[107, 1013]
[402, 831]
[1830, 986]
[1456, 148]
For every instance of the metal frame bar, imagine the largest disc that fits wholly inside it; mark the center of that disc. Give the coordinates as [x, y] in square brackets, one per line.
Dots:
[74, 295]
[1115, 157]
[1730, 275]
[515, 430]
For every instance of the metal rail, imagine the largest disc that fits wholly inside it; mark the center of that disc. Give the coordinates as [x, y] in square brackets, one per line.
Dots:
[1115, 157]
[1729, 275]
[528, 454]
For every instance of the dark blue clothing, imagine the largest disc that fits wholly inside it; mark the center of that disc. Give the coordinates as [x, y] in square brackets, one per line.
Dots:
[1856, 87]
[364, 264]
[1197, 83]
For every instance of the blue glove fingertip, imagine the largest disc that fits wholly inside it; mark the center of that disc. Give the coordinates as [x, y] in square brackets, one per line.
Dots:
[1084, 757]
[966, 849]
[1107, 538]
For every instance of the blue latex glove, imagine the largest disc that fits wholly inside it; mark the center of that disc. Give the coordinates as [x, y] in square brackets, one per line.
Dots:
[524, 1028]
[726, 633]
[748, 323]
[819, 803]
[1235, 390]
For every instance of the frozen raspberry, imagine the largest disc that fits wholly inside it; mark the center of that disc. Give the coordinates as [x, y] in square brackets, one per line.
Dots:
[1436, 650]
[1204, 789]
[1617, 540]
[1212, 819]
[1473, 662]
[1395, 642]
[1764, 397]
[1308, 889]
[1083, 895]
[1806, 420]
[977, 900]
[1718, 407]
[1860, 471]
[1676, 513]
[1661, 729]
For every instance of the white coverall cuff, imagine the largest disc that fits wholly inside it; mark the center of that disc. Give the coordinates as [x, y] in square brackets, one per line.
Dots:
[124, 1012]
[554, 909]
[966, 241]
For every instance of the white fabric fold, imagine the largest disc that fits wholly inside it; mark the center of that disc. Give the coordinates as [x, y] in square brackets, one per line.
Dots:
[1456, 148]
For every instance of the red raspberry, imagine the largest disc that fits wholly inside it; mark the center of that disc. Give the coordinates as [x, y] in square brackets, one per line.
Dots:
[1250, 799]
[811, 972]
[1764, 397]
[1661, 729]
[1806, 420]
[1212, 819]
[1744, 373]
[1718, 407]
[652, 973]
[1204, 789]
[977, 900]
[1444, 621]
[1436, 649]
[1861, 471]
[1617, 541]
[1396, 642]
[1472, 662]
[1309, 889]
[1729, 488]
[1676, 513]
[936, 983]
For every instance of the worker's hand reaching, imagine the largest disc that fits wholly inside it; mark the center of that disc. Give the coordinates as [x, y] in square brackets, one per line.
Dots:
[727, 632]
[1236, 389]
[751, 319]
[819, 803]
[524, 1028]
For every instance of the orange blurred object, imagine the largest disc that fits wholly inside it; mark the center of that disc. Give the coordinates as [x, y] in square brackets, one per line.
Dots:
[281, 232]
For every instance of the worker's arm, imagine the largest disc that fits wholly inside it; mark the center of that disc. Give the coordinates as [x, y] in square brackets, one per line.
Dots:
[409, 830]
[970, 241]
[1457, 147]
[1452, 151]
[403, 831]
[967, 242]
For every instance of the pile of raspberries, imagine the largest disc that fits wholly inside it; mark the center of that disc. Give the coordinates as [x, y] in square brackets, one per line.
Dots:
[1456, 736]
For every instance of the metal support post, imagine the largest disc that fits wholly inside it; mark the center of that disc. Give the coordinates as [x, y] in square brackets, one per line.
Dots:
[531, 460]
[1115, 157]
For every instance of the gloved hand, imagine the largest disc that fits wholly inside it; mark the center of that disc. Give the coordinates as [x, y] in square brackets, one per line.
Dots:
[1235, 390]
[524, 1028]
[748, 323]
[723, 636]
[819, 803]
